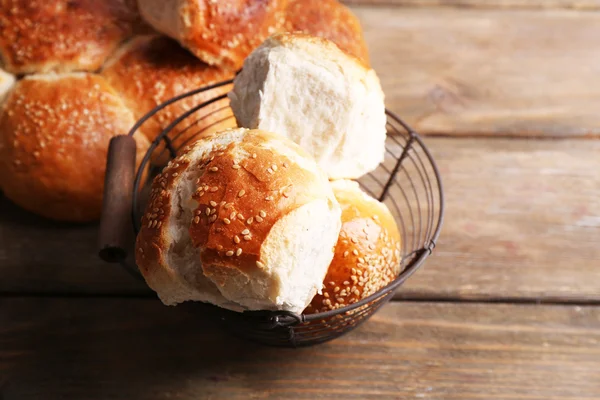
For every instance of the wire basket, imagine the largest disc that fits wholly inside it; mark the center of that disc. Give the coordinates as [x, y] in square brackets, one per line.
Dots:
[408, 182]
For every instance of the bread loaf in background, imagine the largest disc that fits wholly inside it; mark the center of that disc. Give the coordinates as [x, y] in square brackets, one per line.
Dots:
[152, 69]
[54, 135]
[328, 19]
[6, 83]
[63, 35]
[367, 254]
[220, 32]
[247, 210]
[310, 91]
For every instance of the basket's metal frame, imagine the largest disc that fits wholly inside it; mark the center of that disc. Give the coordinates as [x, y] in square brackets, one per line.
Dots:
[285, 326]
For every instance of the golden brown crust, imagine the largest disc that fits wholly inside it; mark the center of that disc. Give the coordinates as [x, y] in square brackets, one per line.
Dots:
[239, 203]
[62, 35]
[153, 69]
[54, 135]
[367, 254]
[330, 20]
[225, 32]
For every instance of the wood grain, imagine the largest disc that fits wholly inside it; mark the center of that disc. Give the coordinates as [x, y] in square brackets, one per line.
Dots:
[522, 222]
[139, 349]
[482, 4]
[488, 72]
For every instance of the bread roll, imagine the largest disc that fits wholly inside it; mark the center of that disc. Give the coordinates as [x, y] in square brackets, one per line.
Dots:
[54, 135]
[308, 90]
[152, 69]
[220, 32]
[6, 83]
[246, 210]
[367, 254]
[328, 19]
[62, 35]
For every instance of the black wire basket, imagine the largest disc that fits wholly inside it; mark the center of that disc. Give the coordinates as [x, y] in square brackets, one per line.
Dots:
[408, 182]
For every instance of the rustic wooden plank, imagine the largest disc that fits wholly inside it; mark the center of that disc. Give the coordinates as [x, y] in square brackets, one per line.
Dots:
[522, 221]
[139, 349]
[488, 72]
[37, 255]
[482, 4]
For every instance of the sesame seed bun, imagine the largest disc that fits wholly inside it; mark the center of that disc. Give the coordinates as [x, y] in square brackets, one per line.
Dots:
[246, 210]
[367, 253]
[218, 32]
[54, 135]
[150, 70]
[62, 36]
[328, 19]
[332, 104]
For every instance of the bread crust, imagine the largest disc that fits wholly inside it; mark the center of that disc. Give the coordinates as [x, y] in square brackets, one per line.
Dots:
[367, 254]
[54, 136]
[63, 35]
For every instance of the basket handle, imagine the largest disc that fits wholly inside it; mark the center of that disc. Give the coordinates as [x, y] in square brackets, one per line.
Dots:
[116, 233]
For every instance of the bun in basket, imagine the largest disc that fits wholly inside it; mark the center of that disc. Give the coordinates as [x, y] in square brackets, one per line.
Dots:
[367, 254]
[310, 91]
[54, 135]
[63, 35]
[220, 32]
[150, 70]
[245, 211]
[328, 19]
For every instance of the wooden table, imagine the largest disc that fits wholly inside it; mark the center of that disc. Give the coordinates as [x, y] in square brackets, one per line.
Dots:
[508, 307]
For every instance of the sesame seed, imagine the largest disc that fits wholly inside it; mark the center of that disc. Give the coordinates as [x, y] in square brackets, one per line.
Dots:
[346, 283]
[258, 218]
[207, 211]
[213, 169]
[238, 252]
[229, 253]
[213, 189]
[354, 240]
[219, 247]
[200, 194]
[336, 289]
[353, 271]
[241, 193]
[240, 216]
[371, 246]
[226, 221]
[246, 232]
[235, 166]
[222, 203]
[274, 167]
[232, 215]
[270, 170]
[284, 165]
[361, 260]
[355, 252]
[247, 237]
[196, 220]
[213, 218]
[236, 239]
[253, 155]
[332, 283]
[250, 220]
[326, 295]
[262, 214]
[260, 265]
[269, 198]
[227, 206]
[346, 253]
[213, 203]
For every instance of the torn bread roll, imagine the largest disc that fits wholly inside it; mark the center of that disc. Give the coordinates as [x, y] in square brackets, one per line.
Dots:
[246, 212]
[310, 91]
[150, 70]
[367, 254]
[54, 136]
[220, 32]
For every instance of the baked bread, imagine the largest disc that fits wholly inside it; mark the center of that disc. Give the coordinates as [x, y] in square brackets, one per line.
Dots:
[54, 135]
[247, 210]
[150, 70]
[6, 83]
[328, 19]
[308, 90]
[367, 254]
[62, 35]
[220, 32]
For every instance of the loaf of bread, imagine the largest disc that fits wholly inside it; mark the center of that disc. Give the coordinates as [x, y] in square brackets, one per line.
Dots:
[328, 19]
[220, 32]
[152, 69]
[54, 134]
[245, 211]
[310, 91]
[6, 83]
[367, 253]
[62, 35]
